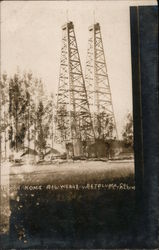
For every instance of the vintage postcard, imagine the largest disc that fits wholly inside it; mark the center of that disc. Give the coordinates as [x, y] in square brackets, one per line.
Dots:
[66, 125]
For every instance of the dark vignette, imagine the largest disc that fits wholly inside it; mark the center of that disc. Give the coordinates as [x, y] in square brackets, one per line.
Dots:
[144, 46]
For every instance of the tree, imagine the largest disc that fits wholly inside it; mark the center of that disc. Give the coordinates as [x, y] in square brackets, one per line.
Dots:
[26, 113]
[31, 98]
[4, 112]
[49, 117]
[42, 130]
[104, 126]
[17, 109]
[23, 91]
[128, 130]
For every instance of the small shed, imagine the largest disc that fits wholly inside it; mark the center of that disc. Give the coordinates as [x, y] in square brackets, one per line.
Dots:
[52, 153]
[30, 156]
[97, 149]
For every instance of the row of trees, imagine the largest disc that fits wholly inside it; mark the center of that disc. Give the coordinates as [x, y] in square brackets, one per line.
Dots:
[26, 114]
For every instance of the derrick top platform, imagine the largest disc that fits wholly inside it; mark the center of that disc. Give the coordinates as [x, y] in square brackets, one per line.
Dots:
[68, 25]
[95, 26]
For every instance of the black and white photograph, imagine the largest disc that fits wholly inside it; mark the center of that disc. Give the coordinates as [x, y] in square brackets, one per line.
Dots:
[66, 125]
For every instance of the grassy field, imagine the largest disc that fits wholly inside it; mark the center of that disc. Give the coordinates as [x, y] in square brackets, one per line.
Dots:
[78, 172]
[69, 217]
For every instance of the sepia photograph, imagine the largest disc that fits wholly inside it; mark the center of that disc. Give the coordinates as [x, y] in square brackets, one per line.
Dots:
[66, 125]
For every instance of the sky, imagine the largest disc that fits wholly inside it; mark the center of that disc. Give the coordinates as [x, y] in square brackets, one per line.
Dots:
[31, 40]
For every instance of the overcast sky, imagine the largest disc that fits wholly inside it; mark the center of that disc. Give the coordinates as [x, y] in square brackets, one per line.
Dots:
[31, 40]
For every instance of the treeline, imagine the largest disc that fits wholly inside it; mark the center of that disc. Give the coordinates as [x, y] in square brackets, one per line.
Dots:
[26, 114]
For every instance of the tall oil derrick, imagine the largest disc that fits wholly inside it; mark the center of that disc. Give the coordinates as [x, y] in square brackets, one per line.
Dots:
[73, 118]
[98, 88]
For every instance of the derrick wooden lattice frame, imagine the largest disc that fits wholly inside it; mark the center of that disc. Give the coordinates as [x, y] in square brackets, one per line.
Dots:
[98, 88]
[73, 118]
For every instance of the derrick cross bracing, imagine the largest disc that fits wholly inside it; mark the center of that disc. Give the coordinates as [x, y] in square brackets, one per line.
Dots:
[98, 88]
[73, 118]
